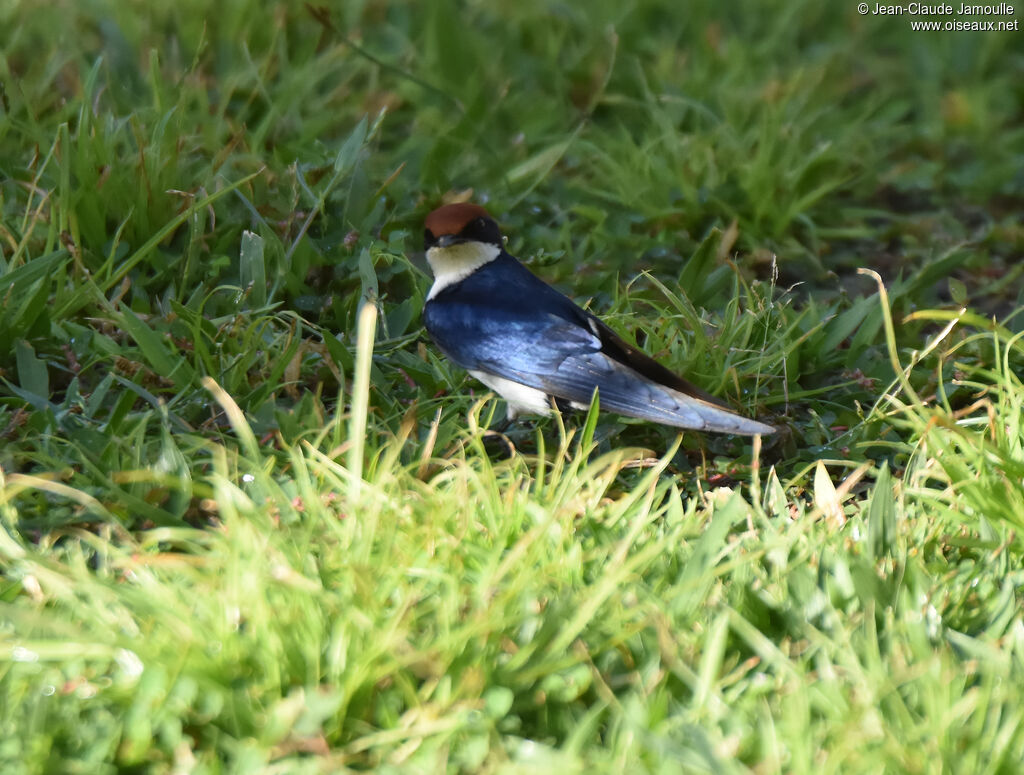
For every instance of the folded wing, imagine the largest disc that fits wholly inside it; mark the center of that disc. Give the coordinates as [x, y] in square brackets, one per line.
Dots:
[570, 362]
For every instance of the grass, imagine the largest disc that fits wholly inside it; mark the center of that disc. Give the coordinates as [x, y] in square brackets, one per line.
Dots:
[252, 521]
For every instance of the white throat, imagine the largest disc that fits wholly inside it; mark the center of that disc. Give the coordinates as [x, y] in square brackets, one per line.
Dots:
[457, 262]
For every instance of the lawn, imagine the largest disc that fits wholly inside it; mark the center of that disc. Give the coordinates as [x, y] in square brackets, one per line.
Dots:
[252, 521]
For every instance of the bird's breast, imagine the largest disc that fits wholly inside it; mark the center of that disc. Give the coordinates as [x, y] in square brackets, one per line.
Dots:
[455, 263]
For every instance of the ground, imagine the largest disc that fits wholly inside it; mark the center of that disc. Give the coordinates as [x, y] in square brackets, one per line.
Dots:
[252, 521]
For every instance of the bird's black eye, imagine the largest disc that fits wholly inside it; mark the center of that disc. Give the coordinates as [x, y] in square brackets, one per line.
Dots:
[429, 240]
[482, 229]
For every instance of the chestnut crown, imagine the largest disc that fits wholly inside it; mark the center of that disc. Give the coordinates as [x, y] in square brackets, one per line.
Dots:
[462, 222]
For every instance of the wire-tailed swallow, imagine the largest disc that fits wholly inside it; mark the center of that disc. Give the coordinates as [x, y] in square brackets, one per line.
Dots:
[531, 344]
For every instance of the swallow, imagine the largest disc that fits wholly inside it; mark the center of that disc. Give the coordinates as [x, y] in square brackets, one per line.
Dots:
[534, 346]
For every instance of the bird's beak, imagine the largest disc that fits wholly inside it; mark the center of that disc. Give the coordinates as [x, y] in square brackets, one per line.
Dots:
[447, 240]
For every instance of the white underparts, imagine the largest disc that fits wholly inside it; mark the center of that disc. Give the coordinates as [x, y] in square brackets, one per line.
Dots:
[520, 398]
[457, 262]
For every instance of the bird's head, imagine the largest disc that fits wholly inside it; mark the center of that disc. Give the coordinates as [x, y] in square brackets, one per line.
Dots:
[458, 224]
[459, 240]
